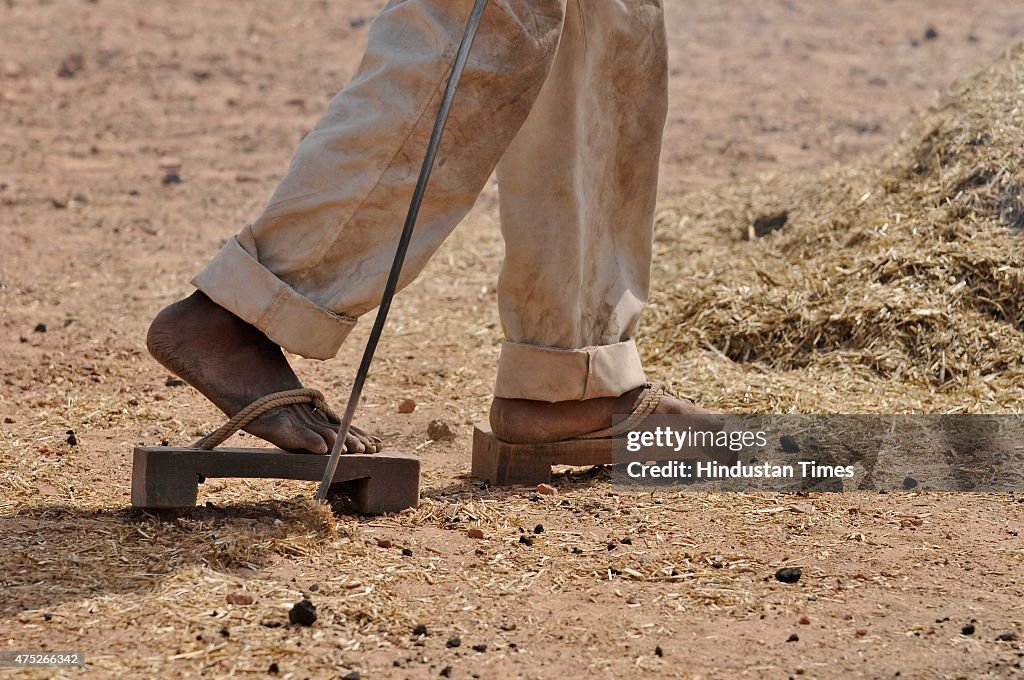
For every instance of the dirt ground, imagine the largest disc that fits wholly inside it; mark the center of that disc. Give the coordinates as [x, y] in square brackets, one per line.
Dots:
[93, 242]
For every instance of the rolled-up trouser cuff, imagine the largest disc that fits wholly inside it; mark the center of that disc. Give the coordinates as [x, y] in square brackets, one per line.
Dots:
[552, 374]
[236, 281]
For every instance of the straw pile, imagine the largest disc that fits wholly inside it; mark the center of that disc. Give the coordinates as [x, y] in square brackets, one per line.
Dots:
[903, 269]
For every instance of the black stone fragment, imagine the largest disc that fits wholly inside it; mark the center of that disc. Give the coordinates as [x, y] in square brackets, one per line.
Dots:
[526, 540]
[539, 529]
[303, 613]
[789, 444]
[407, 552]
[788, 574]
[909, 483]
[793, 637]
[40, 328]
[274, 669]
[419, 630]
[968, 629]
[453, 643]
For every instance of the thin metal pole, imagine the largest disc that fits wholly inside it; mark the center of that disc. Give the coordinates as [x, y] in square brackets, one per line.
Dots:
[403, 244]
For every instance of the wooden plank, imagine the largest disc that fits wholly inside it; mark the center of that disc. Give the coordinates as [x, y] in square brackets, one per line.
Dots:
[505, 464]
[168, 477]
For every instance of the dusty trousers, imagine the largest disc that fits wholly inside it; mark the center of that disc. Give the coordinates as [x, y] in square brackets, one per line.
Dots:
[566, 99]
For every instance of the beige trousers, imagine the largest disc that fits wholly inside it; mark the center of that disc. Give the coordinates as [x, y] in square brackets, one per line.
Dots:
[566, 98]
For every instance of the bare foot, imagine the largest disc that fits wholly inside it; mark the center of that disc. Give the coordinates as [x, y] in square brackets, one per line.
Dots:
[522, 421]
[232, 364]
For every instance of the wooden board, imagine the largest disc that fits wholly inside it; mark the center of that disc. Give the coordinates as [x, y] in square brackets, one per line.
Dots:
[169, 477]
[503, 464]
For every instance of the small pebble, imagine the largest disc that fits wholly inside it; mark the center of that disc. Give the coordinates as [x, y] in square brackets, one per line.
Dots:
[274, 669]
[789, 444]
[931, 33]
[240, 598]
[659, 652]
[475, 533]
[169, 163]
[507, 626]
[224, 632]
[805, 620]
[968, 629]
[480, 648]
[72, 439]
[407, 552]
[314, 588]
[171, 178]
[577, 550]
[539, 529]
[611, 546]
[626, 541]
[1008, 636]
[526, 540]
[406, 406]
[354, 675]
[546, 490]
[861, 632]
[420, 629]
[453, 643]
[909, 483]
[40, 328]
[48, 616]
[788, 574]
[384, 543]
[446, 672]
[793, 637]
[174, 382]
[303, 613]
[270, 624]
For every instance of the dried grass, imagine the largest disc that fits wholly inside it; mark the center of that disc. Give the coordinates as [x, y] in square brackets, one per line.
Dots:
[905, 268]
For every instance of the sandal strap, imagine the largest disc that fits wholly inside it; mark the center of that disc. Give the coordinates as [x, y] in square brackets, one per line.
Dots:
[646, 403]
[261, 406]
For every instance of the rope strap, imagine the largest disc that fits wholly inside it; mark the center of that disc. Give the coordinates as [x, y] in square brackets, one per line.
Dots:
[261, 406]
[645, 405]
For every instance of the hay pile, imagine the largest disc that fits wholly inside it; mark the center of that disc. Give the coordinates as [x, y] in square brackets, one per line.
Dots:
[902, 270]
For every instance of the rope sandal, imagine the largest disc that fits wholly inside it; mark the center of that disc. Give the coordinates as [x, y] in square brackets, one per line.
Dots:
[268, 403]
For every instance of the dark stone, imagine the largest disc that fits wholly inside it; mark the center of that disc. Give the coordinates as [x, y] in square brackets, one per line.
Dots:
[909, 483]
[788, 574]
[1008, 636]
[407, 552]
[480, 648]
[446, 672]
[968, 629]
[526, 540]
[930, 33]
[793, 637]
[789, 444]
[274, 669]
[626, 540]
[172, 178]
[419, 630]
[658, 652]
[766, 224]
[303, 613]
[453, 643]
[354, 675]
[539, 529]
[174, 382]
[40, 328]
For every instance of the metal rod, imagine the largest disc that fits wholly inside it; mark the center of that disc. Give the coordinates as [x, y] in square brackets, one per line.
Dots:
[403, 244]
